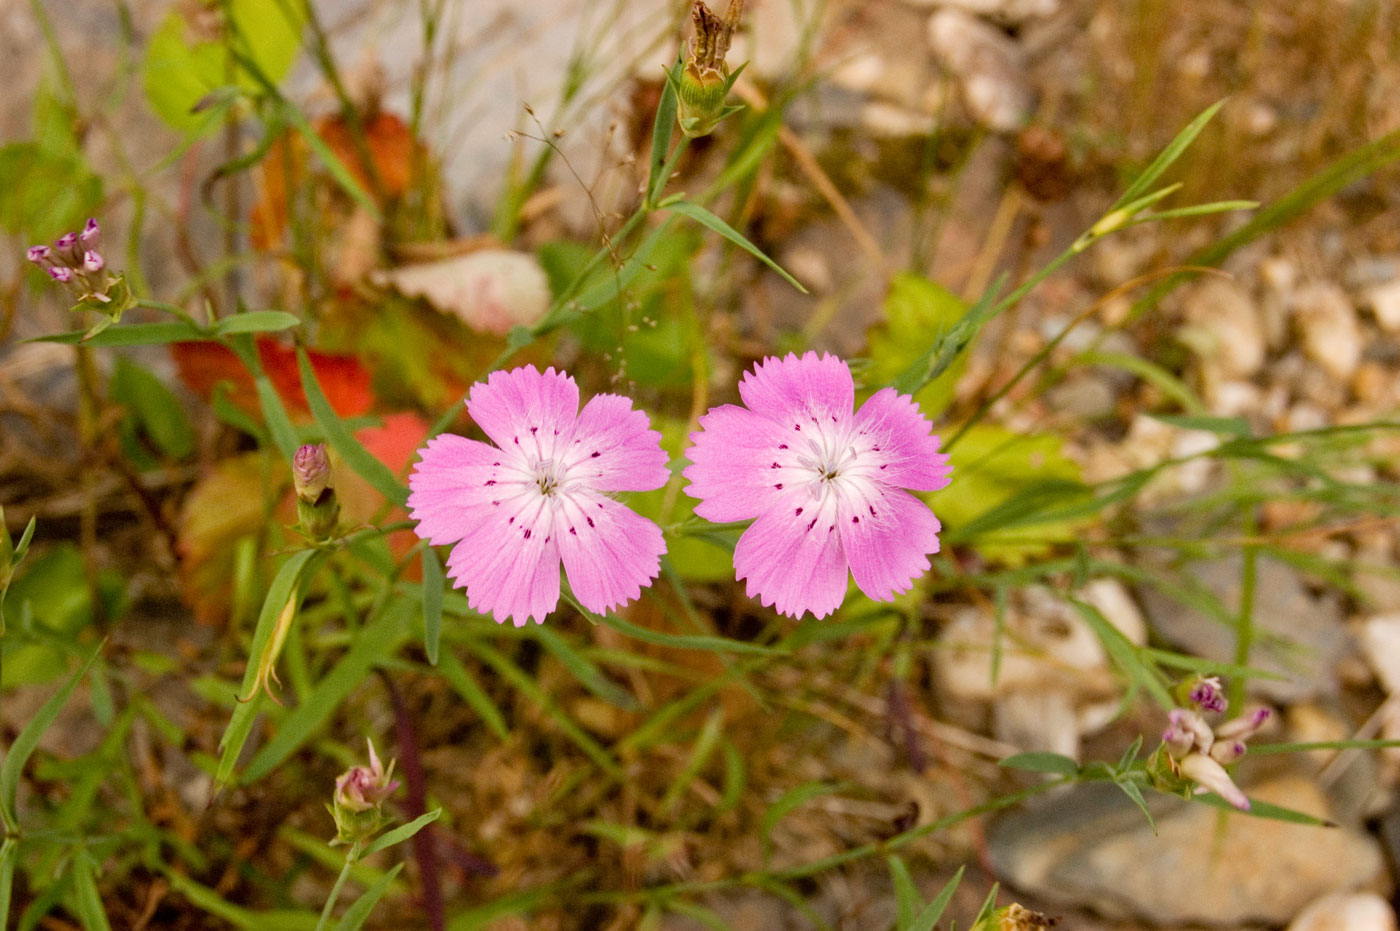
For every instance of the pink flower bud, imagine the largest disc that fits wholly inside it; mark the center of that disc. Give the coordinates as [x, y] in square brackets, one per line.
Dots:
[361, 788]
[1226, 752]
[62, 274]
[40, 255]
[311, 472]
[67, 247]
[91, 236]
[93, 261]
[1245, 726]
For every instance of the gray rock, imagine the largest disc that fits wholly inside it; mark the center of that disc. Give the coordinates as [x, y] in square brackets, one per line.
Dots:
[1091, 845]
[1297, 635]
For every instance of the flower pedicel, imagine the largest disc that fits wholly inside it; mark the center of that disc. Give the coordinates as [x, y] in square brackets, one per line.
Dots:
[825, 485]
[515, 510]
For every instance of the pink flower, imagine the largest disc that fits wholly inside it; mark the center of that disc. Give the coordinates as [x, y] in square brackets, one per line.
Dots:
[540, 495]
[825, 486]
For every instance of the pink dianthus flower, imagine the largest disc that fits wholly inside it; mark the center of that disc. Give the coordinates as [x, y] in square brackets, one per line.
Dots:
[540, 495]
[823, 483]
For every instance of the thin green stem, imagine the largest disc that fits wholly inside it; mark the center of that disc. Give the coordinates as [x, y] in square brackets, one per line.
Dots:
[351, 856]
[1244, 631]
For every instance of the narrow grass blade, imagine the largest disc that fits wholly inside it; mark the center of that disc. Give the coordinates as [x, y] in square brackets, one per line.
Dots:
[358, 913]
[787, 803]
[342, 441]
[28, 739]
[685, 641]
[1167, 156]
[244, 919]
[1125, 655]
[527, 687]
[9, 853]
[129, 334]
[906, 895]
[87, 901]
[432, 603]
[371, 644]
[457, 676]
[1039, 761]
[402, 833]
[1258, 809]
[707, 219]
[338, 171]
[584, 670]
[927, 918]
[699, 755]
[279, 425]
[241, 723]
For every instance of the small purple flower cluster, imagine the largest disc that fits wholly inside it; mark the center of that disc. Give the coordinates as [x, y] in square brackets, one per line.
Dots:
[73, 261]
[1200, 753]
[826, 486]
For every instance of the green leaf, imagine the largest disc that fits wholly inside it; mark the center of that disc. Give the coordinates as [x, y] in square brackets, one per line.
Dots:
[1017, 477]
[1037, 761]
[241, 724]
[358, 913]
[154, 408]
[661, 131]
[28, 739]
[257, 321]
[129, 334]
[1130, 789]
[432, 603]
[929, 916]
[787, 803]
[337, 169]
[46, 188]
[87, 901]
[279, 425]
[1305, 746]
[451, 669]
[401, 833]
[371, 644]
[917, 311]
[244, 919]
[186, 60]
[707, 219]
[342, 441]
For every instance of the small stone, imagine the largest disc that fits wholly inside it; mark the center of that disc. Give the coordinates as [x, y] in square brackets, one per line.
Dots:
[990, 67]
[1381, 638]
[1357, 911]
[1328, 327]
[1091, 844]
[1384, 301]
[1011, 12]
[1223, 311]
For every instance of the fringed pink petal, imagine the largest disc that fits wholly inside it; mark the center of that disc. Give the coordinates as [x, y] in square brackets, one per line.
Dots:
[886, 536]
[609, 552]
[447, 489]
[734, 464]
[793, 562]
[509, 563]
[524, 409]
[613, 448]
[895, 424]
[782, 388]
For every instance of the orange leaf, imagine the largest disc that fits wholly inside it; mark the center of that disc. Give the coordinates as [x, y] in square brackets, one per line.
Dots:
[344, 380]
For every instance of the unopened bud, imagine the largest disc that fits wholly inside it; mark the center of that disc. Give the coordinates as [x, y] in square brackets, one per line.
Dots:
[62, 274]
[359, 793]
[91, 236]
[317, 506]
[311, 472]
[1207, 693]
[67, 247]
[93, 262]
[40, 255]
[1208, 774]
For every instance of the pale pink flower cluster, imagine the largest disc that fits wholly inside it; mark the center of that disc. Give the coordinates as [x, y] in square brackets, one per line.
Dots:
[73, 261]
[826, 486]
[1200, 752]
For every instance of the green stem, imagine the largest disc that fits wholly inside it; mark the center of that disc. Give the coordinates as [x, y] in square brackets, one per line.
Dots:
[1244, 631]
[350, 857]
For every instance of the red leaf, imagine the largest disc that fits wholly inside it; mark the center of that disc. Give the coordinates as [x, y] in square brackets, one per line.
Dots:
[344, 380]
